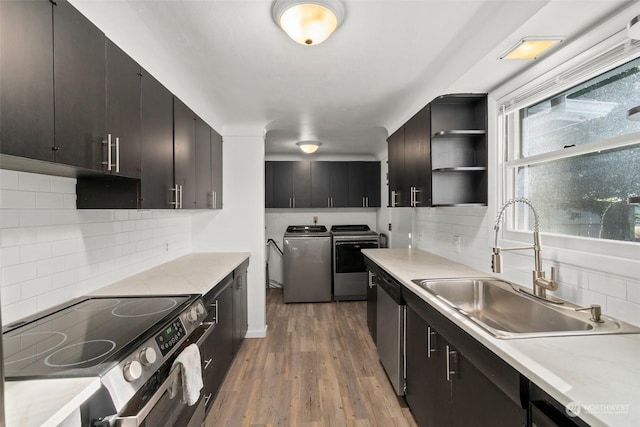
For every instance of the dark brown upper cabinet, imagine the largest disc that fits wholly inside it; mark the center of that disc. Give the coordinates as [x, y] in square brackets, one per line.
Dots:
[157, 144]
[184, 155]
[364, 184]
[26, 78]
[329, 185]
[203, 165]
[80, 97]
[121, 153]
[288, 184]
[216, 166]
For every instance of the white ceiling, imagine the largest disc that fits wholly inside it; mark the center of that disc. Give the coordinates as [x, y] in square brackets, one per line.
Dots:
[231, 63]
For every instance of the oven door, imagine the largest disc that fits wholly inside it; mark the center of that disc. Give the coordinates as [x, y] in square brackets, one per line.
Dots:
[160, 410]
[348, 258]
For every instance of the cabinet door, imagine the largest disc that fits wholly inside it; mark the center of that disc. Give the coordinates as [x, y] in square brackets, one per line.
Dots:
[218, 351]
[478, 401]
[184, 153]
[123, 111]
[398, 194]
[157, 144]
[239, 307]
[26, 79]
[204, 192]
[216, 168]
[356, 184]
[418, 156]
[282, 185]
[321, 184]
[372, 184]
[301, 181]
[268, 185]
[422, 370]
[339, 183]
[79, 70]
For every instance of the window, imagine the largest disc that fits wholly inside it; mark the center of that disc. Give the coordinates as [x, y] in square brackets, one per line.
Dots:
[576, 156]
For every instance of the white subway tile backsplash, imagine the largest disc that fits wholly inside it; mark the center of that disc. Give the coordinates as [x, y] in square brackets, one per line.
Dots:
[17, 199]
[63, 185]
[35, 287]
[633, 291]
[49, 201]
[34, 218]
[624, 310]
[34, 182]
[8, 179]
[18, 273]
[9, 218]
[608, 285]
[10, 256]
[51, 252]
[35, 252]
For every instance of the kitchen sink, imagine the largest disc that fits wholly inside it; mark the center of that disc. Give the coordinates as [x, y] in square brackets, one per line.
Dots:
[506, 311]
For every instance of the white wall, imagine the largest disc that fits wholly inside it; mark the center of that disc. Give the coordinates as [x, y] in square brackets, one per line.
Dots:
[51, 252]
[239, 226]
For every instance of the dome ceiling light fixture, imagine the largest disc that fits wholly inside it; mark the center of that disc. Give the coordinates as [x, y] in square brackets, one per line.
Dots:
[309, 147]
[308, 22]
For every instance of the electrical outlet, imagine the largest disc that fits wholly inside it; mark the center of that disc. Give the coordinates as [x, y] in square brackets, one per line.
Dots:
[456, 243]
[389, 226]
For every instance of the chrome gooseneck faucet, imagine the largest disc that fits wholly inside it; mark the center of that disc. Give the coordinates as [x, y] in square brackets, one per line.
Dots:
[540, 283]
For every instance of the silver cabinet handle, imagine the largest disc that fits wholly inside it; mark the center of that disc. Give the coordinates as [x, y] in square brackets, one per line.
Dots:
[210, 200]
[117, 154]
[364, 204]
[452, 359]
[431, 340]
[290, 204]
[215, 200]
[207, 363]
[367, 200]
[207, 398]
[175, 203]
[216, 312]
[332, 202]
[108, 163]
[181, 196]
[328, 202]
[294, 202]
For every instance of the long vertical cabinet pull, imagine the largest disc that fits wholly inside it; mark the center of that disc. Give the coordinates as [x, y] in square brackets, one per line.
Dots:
[117, 154]
[452, 363]
[414, 197]
[431, 341]
[393, 198]
[216, 312]
[366, 201]
[108, 163]
[177, 190]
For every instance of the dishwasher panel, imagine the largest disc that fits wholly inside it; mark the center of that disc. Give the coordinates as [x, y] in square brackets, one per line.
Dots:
[390, 338]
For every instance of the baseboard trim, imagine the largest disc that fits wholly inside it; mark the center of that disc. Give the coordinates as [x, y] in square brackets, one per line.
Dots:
[257, 333]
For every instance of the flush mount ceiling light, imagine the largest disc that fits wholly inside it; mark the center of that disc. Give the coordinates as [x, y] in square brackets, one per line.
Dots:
[308, 22]
[531, 47]
[633, 28]
[309, 146]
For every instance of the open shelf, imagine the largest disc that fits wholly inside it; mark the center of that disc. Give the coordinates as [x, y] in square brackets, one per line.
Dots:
[459, 133]
[461, 169]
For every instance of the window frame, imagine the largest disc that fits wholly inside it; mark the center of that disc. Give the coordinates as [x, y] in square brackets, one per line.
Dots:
[622, 257]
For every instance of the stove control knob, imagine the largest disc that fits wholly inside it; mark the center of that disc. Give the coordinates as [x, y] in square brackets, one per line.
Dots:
[147, 356]
[132, 371]
[192, 315]
[199, 309]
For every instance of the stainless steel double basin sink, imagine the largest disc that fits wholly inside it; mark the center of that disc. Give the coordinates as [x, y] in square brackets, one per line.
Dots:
[504, 310]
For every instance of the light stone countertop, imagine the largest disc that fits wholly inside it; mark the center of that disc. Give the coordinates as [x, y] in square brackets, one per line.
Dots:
[49, 402]
[591, 371]
[195, 273]
[45, 402]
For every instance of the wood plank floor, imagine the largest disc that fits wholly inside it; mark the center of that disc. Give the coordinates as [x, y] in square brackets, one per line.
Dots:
[317, 366]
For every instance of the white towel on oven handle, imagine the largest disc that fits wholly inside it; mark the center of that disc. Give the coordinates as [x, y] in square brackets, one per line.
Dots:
[189, 377]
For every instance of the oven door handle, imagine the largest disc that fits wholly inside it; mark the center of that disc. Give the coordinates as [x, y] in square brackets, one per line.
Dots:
[137, 419]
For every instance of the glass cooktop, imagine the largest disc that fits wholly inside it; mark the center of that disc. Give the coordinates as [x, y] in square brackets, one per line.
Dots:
[86, 338]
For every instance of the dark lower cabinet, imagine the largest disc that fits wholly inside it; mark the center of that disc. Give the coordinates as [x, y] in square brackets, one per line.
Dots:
[452, 380]
[26, 79]
[217, 354]
[157, 144]
[79, 69]
[240, 323]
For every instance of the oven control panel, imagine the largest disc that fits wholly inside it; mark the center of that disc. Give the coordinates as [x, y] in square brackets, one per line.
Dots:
[170, 336]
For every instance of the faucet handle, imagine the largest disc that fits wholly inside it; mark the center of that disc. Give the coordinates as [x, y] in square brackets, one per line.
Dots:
[596, 312]
[496, 261]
